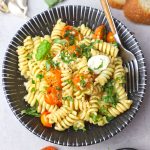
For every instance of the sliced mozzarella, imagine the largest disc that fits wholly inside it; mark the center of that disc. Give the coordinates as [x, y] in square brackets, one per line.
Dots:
[98, 63]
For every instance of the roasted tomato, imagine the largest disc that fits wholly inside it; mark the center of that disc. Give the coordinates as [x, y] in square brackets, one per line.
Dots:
[71, 34]
[100, 33]
[53, 77]
[110, 37]
[81, 80]
[44, 119]
[53, 96]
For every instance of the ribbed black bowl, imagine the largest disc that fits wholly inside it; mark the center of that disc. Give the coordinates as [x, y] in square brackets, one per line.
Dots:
[15, 91]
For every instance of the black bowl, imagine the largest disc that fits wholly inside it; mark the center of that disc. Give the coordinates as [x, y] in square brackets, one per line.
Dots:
[15, 91]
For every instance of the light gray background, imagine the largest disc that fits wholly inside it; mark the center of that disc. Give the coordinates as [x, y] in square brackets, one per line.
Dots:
[14, 136]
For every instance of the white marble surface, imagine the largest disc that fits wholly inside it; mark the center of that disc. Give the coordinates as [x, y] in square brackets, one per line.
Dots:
[13, 136]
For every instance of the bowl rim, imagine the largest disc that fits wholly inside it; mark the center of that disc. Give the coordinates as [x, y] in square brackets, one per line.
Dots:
[53, 141]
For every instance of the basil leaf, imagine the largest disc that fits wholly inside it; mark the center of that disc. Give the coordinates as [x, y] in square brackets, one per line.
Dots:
[95, 117]
[42, 50]
[33, 82]
[82, 82]
[39, 76]
[32, 111]
[111, 96]
[90, 70]
[33, 89]
[70, 36]
[51, 3]
[69, 98]
[103, 111]
[86, 50]
[109, 118]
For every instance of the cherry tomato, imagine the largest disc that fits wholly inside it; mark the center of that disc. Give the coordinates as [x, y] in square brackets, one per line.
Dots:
[78, 78]
[44, 120]
[78, 36]
[72, 49]
[100, 32]
[53, 96]
[49, 148]
[66, 28]
[110, 37]
[54, 77]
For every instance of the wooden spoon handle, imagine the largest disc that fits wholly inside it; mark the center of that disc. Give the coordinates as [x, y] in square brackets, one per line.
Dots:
[108, 15]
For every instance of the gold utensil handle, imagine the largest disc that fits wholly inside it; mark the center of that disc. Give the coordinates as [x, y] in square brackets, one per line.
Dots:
[108, 15]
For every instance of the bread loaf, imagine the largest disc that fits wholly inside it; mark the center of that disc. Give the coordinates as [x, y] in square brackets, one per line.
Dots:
[138, 11]
[117, 3]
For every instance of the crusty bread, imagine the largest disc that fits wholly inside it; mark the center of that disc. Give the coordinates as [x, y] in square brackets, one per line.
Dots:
[117, 3]
[138, 11]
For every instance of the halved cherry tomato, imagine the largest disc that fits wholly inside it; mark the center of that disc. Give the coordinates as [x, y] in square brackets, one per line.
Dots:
[72, 31]
[53, 96]
[110, 37]
[44, 120]
[54, 77]
[77, 78]
[51, 99]
[66, 28]
[72, 49]
[100, 32]
[49, 148]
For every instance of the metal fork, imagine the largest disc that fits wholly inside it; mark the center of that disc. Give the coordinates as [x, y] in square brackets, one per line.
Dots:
[128, 58]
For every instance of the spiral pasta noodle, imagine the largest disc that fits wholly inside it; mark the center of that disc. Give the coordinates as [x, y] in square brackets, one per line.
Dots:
[82, 65]
[77, 104]
[67, 122]
[56, 48]
[56, 33]
[43, 106]
[119, 74]
[122, 95]
[34, 68]
[28, 44]
[87, 32]
[107, 48]
[79, 95]
[85, 41]
[58, 115]
[94, 104]
[66, 76]
[94, 52]
[23, 61]
[121, 107]
[105, 75]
